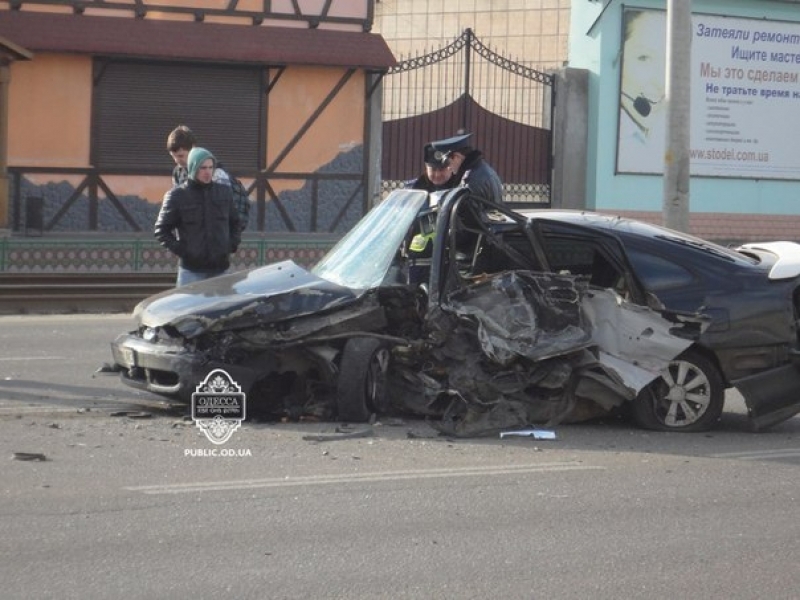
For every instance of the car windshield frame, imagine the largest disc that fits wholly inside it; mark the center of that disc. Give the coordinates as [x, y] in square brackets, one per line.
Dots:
[361, 259]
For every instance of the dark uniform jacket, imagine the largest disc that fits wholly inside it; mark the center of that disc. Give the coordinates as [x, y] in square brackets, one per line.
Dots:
[200, 224]
[481, 179]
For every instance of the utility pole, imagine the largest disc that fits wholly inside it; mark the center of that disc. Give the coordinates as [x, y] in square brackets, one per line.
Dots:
[678, 97]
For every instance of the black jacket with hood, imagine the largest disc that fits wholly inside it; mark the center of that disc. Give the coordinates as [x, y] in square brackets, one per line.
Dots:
[199, 222]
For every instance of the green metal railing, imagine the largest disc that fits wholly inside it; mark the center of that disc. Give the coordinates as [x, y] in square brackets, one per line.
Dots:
[81, 255]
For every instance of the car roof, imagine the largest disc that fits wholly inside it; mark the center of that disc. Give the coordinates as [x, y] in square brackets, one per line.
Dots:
[606, 222]
[612, 224]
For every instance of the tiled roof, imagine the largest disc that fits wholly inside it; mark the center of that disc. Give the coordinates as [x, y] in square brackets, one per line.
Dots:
[193, 41]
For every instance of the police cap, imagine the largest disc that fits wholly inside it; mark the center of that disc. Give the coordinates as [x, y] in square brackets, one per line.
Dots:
[436, 158]
[452, 144]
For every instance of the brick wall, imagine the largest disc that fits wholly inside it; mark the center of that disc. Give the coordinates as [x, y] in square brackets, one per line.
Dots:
[730, 228]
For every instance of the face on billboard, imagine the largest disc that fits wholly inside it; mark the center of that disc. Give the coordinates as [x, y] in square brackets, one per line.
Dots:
[643, 72]
[642, 115]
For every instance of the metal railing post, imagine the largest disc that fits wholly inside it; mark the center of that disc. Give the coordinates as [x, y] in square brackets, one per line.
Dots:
[467, 81]
[137, 257]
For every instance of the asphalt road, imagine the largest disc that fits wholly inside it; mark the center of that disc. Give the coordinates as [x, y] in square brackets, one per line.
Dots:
[127, 507]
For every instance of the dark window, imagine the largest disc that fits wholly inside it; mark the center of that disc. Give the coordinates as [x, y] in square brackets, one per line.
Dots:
[658, 273]
[582, 257]
[567, 254]
[502, 252]
[137, 104]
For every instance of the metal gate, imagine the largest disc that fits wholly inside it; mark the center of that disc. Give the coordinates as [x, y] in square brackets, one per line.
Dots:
[467, 87]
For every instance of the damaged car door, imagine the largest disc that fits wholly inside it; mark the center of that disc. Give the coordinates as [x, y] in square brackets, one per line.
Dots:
[750, 336]
[544, 329]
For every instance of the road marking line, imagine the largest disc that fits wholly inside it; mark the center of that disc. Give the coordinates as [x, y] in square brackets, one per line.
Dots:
[249, 484]
[759, 454]
[13, 410]
[27, 358]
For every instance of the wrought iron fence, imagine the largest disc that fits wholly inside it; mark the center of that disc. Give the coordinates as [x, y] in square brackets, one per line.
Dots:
[466, 86]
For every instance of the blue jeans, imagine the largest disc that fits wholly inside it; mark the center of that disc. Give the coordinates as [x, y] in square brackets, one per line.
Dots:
[185, 276]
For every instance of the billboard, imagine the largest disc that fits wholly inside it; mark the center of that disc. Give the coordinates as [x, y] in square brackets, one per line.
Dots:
[745, 95]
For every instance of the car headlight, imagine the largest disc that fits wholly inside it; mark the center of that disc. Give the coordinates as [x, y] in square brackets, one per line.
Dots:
[150, 334]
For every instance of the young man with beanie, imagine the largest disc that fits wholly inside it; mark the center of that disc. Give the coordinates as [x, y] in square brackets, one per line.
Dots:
[199, 222]
[180, 142]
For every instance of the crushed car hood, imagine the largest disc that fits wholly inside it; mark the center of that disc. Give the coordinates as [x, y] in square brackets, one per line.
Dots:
[359, 262]
[262, 295]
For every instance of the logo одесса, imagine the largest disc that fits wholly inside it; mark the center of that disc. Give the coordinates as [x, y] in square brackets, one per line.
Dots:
[218, 406]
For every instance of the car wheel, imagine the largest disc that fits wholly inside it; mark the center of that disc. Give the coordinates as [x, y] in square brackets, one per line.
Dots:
[688, 396]
[362, 379]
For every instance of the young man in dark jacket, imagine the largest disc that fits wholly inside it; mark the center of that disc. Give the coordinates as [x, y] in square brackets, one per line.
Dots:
[180, 142]
[198, 221]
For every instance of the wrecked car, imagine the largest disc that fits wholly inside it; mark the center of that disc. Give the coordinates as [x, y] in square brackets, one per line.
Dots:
[447, 306]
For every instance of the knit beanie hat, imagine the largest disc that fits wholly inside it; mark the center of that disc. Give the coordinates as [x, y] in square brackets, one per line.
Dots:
[196, 157]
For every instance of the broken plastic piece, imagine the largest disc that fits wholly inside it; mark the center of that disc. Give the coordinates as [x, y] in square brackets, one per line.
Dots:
[537, 434]
[29, 456]
[132, 414]
[339, 435]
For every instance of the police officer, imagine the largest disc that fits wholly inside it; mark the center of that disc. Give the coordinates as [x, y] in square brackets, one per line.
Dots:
[437, 174]
[468, 167]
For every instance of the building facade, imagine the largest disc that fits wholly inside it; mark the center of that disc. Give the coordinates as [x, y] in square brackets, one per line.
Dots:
[281, 92]
[744, 78]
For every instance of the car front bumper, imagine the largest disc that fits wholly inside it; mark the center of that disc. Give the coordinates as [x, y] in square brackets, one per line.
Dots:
[168, 368]
[157, 368]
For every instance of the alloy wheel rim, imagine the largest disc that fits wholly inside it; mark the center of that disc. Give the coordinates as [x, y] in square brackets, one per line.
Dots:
[688, 394]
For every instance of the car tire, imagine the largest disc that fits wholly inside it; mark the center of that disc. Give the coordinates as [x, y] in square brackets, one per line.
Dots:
[361, 389]
[688, 397]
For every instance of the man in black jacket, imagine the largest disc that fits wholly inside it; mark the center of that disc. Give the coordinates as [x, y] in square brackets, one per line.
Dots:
[180, 142]
[469, 168]
[198, 221]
